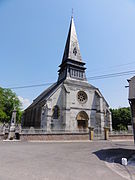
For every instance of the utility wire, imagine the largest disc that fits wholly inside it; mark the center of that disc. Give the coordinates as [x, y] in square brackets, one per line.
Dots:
[30, 86]
[101, 69]
[112, 75]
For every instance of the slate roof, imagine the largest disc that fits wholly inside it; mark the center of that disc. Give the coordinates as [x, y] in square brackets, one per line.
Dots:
[44, 95]
[72, 50]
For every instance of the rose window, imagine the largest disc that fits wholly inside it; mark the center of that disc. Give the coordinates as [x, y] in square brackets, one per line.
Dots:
[82, 97]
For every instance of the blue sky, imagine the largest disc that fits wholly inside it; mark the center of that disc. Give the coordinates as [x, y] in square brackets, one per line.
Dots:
[33, 35]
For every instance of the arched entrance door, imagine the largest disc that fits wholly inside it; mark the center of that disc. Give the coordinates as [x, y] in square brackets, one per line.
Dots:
[82, 120]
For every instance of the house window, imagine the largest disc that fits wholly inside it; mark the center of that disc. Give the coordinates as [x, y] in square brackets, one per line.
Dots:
[56, 112]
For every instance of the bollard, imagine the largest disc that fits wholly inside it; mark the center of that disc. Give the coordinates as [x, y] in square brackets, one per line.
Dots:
[106, 133]
[91, 133]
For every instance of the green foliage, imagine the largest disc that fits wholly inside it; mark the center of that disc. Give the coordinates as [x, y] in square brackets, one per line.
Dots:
[122, 127]
[121, 118]
[9, 101]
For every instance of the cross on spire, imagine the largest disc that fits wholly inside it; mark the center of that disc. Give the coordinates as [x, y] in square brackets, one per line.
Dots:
[72, 12]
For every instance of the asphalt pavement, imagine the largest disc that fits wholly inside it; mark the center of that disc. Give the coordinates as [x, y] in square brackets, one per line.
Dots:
[97, 160]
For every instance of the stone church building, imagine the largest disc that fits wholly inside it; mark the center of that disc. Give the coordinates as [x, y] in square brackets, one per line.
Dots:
[71, 104]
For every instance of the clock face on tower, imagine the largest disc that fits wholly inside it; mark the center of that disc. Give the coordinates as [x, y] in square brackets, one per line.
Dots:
[74, 48]
[75, 51]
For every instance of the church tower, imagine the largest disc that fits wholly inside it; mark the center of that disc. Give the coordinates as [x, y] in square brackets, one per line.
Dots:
[72, 66]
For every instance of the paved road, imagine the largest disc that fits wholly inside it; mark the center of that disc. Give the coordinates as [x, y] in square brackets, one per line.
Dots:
[62, 161]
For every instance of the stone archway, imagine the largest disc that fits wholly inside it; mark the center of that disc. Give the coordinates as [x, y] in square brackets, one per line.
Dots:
[82, 120]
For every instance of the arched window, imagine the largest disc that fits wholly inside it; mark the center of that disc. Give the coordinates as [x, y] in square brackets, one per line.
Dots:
[82, 116]
[56, 112]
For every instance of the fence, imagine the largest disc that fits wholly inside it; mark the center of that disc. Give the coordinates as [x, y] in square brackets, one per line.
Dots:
[129, 132]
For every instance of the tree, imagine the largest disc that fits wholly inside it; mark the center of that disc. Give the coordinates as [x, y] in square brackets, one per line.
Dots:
[9, 101]
[121, 118]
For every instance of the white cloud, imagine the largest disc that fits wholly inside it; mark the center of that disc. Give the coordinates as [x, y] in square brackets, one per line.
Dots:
[25, 102]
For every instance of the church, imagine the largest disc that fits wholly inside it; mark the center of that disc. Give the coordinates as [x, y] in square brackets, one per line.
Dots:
[71, 104]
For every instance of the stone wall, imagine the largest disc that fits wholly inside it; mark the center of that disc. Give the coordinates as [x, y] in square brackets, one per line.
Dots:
[66, 137]
[121, 137]
[1, 136]
[55, 137]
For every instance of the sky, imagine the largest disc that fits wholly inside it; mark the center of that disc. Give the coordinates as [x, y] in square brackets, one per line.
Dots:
[33, 35]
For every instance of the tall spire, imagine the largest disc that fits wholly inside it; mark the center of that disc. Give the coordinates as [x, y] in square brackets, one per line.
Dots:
[72, 50]
[72, 66]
